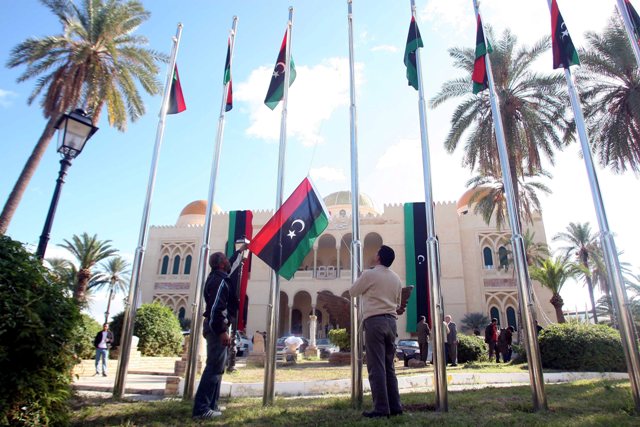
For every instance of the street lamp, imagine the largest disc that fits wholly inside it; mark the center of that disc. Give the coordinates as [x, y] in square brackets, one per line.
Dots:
[74, 130]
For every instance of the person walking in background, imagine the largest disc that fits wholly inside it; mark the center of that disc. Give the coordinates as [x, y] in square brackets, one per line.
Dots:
[424, 332]
[102, 342]
[380, 289]
[217, 295]
[491, 338]
[452, 340]
[504, 343]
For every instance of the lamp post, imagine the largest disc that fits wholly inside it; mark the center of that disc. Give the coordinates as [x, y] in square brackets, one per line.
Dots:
[74, 130]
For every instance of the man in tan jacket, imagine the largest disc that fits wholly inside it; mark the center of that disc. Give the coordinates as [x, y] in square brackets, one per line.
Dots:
[379, 290]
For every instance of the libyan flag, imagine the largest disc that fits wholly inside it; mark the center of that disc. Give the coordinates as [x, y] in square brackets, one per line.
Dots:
[479, 75]
[176, 100]
[227, 78]
[415, 245]
[240, 226]
[288, 236]
[564, 53]
[276, 87]
[414, 41]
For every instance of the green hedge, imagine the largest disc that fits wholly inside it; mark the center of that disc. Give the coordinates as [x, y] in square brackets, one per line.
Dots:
[159, 331]
[37, 324]
[341, 338]
[581, 347]
[471, 349]
[85, 332]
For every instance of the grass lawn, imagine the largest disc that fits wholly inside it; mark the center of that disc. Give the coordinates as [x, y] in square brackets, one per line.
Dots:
[583, 403]
[304, 371]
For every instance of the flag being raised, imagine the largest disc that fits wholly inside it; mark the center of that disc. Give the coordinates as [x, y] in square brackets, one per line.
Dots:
[288, 236]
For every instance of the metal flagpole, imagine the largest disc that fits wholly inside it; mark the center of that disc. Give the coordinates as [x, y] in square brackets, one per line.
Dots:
[626, 19]
[134, 286]
[436, 307]
[356, 245]
[273, 308]
[614, 274]
[196, 316]
[517, 242]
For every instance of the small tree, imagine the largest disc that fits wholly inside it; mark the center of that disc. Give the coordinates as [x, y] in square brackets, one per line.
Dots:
[158, 330]
[341, 338]
[37, 325]
[474, 321]
[85, 332]
[552, 274]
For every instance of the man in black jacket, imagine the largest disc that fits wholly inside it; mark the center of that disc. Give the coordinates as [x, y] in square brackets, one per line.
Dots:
[102, 343]
[218, 295]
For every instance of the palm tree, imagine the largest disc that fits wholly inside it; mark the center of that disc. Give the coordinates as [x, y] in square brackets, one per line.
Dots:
[582, 244]
[489, 199]
[474, 321]
[88, 251]
[610, 83]
[95, 61]
[64, 270]
[552, 274]
[532, 107]
[114, 272]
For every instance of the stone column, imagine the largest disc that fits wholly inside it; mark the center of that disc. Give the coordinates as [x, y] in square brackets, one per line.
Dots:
[315, 261]
[338, 262]
[290, 318]
[312, 350]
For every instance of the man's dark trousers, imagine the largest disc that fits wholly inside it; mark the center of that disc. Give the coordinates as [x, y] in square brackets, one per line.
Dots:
[209, 388]
[380, 341]
[424, 350]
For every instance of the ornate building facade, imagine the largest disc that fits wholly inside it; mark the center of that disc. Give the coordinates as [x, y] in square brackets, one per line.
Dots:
[476, 275]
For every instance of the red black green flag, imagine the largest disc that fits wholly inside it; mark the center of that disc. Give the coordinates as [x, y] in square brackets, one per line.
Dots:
[635, 19]
[227, 78]
[276, 87]
[288, 236]
[415, 244]
[176, 100]
[564, 53]
[414, 41]
[479, 75]
[240, 226]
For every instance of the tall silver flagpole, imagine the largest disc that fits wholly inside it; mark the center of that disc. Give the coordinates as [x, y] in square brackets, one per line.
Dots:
[628, 25]
[517, 242]
[356, 245]
[134, 286]
[196, 316]
[273, 308]
[614, 274]
[436, 308]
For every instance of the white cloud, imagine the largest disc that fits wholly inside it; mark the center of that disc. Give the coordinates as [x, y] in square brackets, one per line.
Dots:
[385, 48]
[318, 91]
[5, 98]
[326, 173]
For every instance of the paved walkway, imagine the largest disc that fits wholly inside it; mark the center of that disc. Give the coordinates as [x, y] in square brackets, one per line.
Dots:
[150, 386]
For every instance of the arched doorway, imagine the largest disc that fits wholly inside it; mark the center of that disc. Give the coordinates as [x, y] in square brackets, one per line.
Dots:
[284, 314]
[301, 304]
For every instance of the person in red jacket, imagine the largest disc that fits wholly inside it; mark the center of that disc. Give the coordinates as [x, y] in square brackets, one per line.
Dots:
[491, 338]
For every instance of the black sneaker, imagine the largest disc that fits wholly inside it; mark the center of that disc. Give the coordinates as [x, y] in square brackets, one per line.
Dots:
[394, 413]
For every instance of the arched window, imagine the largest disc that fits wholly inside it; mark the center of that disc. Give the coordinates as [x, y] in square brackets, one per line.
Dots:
[165, 265]
[176, 265]
[495, 314]
[181, 313]
[487, 256]
[502, 255]
[187, 265]
[511, 318]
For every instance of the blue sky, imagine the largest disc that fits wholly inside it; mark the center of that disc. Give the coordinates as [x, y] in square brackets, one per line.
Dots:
[106, 185]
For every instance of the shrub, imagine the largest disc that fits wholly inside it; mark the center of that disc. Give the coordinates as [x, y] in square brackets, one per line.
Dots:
[581, 347]
[159, 331]
[341, 338]
[84, 334]
[37, 323]
[471, 348]
[116, 328]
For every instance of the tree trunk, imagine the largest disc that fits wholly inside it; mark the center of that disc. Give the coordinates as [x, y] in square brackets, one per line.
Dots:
[557, 302]
[106, 314]
[80, 293]
[591, 295]
[27, 173]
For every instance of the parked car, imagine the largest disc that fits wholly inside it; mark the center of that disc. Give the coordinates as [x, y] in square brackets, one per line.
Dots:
[280, 344]
[243, 344]
[326, 347]
[407, 349]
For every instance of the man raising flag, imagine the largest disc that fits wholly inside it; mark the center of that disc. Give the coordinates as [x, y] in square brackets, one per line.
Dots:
[276, 87]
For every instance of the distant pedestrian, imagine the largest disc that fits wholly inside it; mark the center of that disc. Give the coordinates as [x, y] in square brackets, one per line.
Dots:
[452, 340]
[102, 342]
[423, 337]
[491, 338]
